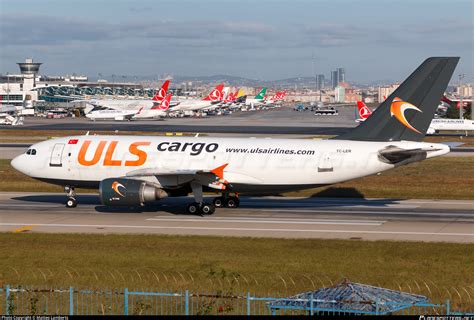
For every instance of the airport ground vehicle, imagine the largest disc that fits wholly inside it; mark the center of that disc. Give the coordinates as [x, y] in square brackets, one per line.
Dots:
[300, 107]
[326, 111]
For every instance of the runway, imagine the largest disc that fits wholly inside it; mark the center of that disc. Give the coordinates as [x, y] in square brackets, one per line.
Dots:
[328, 218]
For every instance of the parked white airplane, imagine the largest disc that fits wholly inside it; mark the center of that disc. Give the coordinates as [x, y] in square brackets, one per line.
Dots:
[155, 112]
[134, 170]
[112, 114]
[128, 104]
[258, 100]
[11, 115]
[435, 125]
[278, 97]
[214, 97]
[451, 125]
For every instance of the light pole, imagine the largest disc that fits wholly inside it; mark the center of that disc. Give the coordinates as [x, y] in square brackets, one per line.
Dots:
[8, 88]
[113, 85]
[472, 98]
[461, 113]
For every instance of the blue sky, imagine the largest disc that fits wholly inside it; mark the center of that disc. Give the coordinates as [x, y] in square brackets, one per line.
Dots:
[373, 39]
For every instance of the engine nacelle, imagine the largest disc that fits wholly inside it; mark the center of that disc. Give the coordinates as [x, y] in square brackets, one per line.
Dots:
[128, 192]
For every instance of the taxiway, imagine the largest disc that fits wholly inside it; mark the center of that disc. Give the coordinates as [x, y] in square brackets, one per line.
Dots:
[331, 218]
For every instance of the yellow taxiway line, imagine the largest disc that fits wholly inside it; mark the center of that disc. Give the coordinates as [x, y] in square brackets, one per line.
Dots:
[23, 229]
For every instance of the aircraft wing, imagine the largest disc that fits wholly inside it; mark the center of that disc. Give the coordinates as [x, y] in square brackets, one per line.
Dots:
[213, 178]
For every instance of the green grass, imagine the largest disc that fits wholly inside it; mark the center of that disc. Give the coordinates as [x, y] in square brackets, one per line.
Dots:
[264, 266]
[438, 178]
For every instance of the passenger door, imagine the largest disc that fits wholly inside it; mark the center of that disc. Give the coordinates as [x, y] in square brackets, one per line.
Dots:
[56, 155]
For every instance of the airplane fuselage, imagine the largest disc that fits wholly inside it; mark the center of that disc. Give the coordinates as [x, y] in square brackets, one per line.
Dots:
[253, 165]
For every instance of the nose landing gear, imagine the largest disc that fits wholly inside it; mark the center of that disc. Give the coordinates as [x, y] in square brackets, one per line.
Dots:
[71, 194]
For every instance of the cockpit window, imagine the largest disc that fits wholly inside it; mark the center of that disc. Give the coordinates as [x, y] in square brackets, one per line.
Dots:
[31, 152]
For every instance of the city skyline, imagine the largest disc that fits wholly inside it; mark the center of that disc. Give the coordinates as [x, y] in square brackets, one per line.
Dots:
[371, 40]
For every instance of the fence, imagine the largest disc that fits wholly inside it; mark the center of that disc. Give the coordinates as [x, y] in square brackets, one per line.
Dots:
[39, 301]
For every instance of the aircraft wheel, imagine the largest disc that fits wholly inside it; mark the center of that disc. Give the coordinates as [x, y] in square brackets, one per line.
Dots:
[194, 208]
[71, 203]
[232, 202]
[218, 202]
[208, 209]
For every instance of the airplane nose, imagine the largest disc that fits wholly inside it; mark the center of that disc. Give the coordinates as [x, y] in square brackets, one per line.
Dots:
[18, 163]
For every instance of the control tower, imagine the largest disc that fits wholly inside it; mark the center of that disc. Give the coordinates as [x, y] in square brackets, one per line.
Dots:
[29, 69]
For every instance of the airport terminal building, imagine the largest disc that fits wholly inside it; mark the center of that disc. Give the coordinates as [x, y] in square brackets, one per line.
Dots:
[29, 88]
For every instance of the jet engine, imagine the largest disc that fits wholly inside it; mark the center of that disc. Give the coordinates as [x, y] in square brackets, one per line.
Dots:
[128, 192]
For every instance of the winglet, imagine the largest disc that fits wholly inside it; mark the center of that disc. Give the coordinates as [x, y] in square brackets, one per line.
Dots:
[219, 171]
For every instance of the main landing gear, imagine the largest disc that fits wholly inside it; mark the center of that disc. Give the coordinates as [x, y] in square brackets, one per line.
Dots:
[71, 197]
[226, 201]
[200, 207]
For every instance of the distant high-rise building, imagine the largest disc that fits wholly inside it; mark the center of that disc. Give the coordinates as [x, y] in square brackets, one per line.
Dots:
[334, 79]
[319, 81]
[341, 75]
[337, 76]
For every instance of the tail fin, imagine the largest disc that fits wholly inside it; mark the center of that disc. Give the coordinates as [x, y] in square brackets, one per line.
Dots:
[282, 95]
[160, 94]
[164, 105]
[231, 97]
[261, 94]
[408, 111]
[445, 99]
[364, 111]
[241, 93]
[217, 94]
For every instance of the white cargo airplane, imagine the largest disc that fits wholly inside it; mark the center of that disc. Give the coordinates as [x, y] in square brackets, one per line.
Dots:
[134, 170]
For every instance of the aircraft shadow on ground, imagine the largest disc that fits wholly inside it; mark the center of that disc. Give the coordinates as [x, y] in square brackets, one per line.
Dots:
[328, 198]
